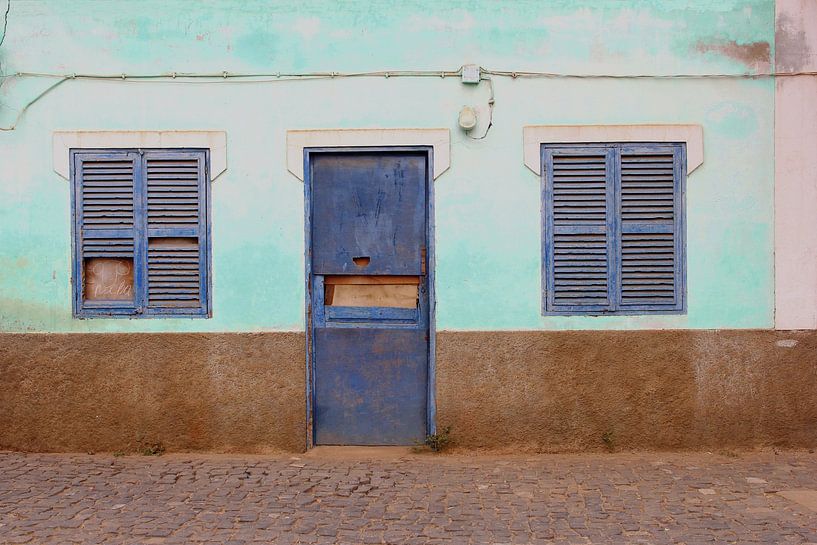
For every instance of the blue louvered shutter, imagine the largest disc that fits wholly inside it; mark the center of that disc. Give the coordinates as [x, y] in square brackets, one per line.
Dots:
[651, 230]
[141, 232]
[106, 202]
[578, 209]
[176, 224]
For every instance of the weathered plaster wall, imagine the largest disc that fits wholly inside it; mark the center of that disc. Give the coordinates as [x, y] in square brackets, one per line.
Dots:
[567, 391]
[487, 203]
[796, 166]
[549, 391]
[215, 392]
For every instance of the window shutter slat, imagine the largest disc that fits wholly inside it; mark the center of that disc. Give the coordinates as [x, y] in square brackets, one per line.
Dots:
[107, 247]
[580, 269]
[175, 209]
[173, 192]
[173, 273]
[107, 193]
[578, 239]
[649, 246]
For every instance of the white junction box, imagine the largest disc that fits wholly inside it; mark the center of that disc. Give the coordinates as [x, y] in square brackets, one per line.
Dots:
[470, 73]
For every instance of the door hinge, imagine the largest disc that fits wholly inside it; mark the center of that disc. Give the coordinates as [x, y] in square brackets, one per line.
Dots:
[422, 260]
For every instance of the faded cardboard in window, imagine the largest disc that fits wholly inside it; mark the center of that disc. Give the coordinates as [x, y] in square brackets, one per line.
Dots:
[108, 279]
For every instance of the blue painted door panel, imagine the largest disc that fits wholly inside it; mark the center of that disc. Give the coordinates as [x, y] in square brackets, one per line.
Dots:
[369, 363]
[370, 386]
[368, 206]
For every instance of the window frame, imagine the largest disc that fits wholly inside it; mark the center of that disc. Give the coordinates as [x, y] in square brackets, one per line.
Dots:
[138, 308]
[614, 151]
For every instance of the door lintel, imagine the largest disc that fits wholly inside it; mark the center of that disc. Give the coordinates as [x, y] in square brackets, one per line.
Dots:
[299, 139]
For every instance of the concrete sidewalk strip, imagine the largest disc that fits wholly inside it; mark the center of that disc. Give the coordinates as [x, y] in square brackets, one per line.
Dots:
[806, 498]
[392, 496]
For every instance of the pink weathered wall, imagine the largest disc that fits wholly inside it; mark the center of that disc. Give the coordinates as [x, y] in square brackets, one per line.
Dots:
[796, 166]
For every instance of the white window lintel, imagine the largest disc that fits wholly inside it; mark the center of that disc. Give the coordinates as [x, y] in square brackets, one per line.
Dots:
[64, 140]
[536, 135]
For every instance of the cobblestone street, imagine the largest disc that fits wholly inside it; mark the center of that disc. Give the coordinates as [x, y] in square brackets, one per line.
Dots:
[621, 498]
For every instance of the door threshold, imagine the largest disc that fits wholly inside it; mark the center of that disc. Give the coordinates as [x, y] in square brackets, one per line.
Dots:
[359, 452]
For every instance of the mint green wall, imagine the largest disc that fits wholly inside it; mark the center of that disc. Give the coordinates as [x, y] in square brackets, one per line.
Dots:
[487, 203]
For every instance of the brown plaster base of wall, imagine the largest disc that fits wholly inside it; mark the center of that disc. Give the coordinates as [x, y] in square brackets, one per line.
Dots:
[546, 391]
[567, 391]
[108, 392]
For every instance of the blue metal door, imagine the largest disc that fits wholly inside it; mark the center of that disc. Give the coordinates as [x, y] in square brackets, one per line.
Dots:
[369, 303]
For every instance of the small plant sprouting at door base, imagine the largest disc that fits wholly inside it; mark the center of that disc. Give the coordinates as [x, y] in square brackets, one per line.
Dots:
[151, 448]
[609, 440]
[437, 442]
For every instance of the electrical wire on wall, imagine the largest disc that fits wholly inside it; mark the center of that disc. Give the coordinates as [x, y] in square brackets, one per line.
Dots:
[31, 103]
[490, 108]
[273, 77]
[5, 22]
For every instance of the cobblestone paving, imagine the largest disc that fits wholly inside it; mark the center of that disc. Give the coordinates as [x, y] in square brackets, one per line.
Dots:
[627, 498]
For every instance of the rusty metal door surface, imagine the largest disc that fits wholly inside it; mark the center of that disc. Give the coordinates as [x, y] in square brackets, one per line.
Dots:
[369, 296]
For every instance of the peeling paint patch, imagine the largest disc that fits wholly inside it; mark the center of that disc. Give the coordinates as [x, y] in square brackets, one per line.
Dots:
[755, 55]
[790, 46]
[787, 343]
